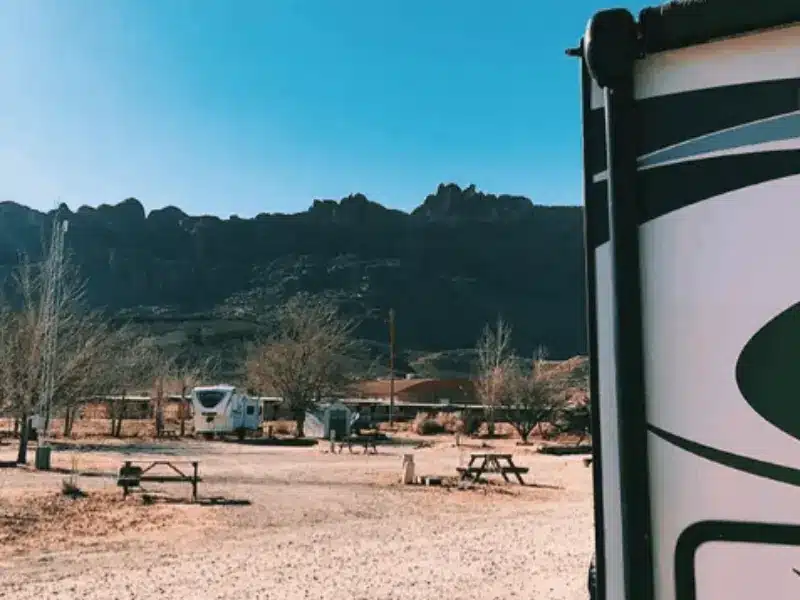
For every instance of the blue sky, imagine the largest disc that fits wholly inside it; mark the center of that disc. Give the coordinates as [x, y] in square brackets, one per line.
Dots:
[241, 107]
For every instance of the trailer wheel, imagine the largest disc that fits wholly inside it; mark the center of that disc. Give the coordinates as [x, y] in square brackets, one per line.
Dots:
[240, 434]
[592, 583]
[208, 436]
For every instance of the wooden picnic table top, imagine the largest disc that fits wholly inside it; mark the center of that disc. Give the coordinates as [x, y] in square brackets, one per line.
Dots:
[491, 455]
[491, 464]
[162, 462]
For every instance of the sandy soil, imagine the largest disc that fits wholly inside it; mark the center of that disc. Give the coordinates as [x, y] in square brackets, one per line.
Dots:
[307, 524]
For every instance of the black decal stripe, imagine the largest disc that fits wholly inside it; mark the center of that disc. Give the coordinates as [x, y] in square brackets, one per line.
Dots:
[752, 466]
[702, 532]
[672, 187]
[675, 118]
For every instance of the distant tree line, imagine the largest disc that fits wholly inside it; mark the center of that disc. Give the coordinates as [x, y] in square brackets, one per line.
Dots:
[306, 351]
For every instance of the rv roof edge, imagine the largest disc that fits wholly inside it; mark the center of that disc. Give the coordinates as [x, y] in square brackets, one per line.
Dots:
[683, 23]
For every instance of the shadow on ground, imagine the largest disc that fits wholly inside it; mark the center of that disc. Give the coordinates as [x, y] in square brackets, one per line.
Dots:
[149, 498]
[556, 450]
[63, 471]
[128, 448]
[266, 441]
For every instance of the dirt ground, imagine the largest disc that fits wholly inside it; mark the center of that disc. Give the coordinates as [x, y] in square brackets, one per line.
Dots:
[291, 523]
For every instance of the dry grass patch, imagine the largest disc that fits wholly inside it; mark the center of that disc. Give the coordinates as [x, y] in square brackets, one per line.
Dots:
[49, 521]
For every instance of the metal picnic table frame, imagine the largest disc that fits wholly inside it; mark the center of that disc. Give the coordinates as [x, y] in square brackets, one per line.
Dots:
[491, 463]
[131, 475]
[367, 441]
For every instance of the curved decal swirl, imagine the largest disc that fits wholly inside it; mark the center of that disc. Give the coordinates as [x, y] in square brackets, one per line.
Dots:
[767, 373]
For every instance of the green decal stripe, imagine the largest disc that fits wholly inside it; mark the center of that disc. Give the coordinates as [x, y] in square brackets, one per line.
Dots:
[759, 468]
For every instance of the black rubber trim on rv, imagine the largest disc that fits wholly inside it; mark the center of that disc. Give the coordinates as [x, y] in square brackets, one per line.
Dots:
[738, 532]
[590, 207]
[610, 49]
[683, 23]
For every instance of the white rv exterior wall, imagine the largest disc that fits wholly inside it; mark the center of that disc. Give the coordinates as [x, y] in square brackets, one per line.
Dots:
[713, 273]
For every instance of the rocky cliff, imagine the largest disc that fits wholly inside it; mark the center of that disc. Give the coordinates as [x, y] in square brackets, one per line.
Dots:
[455, 262]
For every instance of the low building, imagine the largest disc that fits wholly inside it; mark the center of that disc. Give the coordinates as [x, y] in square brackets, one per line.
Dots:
[420, 391]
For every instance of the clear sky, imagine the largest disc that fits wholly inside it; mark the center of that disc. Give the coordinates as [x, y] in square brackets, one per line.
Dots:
[247, 106]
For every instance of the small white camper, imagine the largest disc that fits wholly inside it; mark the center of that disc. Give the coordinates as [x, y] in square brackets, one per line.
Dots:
[222, 409]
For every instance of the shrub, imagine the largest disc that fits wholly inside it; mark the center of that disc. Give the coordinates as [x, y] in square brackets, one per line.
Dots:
[425, 424]
[71, 489]
[281, 427]
[451, 422]
[472, 423]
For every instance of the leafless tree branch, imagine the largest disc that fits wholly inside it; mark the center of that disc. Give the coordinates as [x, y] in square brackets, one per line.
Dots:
[309, 355]
[495, 358]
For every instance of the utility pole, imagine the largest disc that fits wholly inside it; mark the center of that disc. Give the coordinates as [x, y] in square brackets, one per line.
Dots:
[391, 368]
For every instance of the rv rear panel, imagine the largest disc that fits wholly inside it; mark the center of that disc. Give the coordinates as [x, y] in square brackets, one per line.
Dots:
[692, 179]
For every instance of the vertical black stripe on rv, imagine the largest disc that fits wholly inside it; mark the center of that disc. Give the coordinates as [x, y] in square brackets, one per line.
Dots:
[610, 50]
[591, 207]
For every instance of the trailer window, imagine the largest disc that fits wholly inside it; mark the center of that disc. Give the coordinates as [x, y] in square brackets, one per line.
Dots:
[210, 399]
[251, 410]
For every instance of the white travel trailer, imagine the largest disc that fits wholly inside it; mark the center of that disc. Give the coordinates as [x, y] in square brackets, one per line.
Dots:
[691, 131]
[222, 409]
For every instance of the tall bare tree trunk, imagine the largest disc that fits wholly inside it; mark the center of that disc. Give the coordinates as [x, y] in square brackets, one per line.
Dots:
[490, 421]
[67, 418]
[183, 411]
[300, 422]
[158, 415]
[47, 418]
[22, 454]
[112, 414]
[120, 415]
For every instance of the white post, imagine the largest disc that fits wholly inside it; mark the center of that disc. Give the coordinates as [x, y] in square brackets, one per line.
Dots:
[408, 469]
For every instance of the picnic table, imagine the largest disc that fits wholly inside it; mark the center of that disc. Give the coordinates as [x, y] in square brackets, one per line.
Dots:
[502, 464]
[132, 474]
[366, 441]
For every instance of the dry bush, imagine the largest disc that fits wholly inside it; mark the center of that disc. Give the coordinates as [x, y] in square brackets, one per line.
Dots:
[281, 427]
[426, 424]
[501, 430]
[398, 426]
[450, 422]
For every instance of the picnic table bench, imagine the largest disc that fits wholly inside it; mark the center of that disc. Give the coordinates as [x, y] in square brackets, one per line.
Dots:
[366, 441]
[491, 463]
[131, 475]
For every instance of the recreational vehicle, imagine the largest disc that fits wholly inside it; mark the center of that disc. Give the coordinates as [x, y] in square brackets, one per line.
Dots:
[691, 151]
[222, 409]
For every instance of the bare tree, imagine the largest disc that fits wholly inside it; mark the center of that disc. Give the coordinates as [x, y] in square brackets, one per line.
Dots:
[189, 375]
[163, 366]
[130, 366]
[529, 396]
[308, 356]
[177, 374]
[86, 350]
[22, 339]
[82, 346]
[495, 358]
